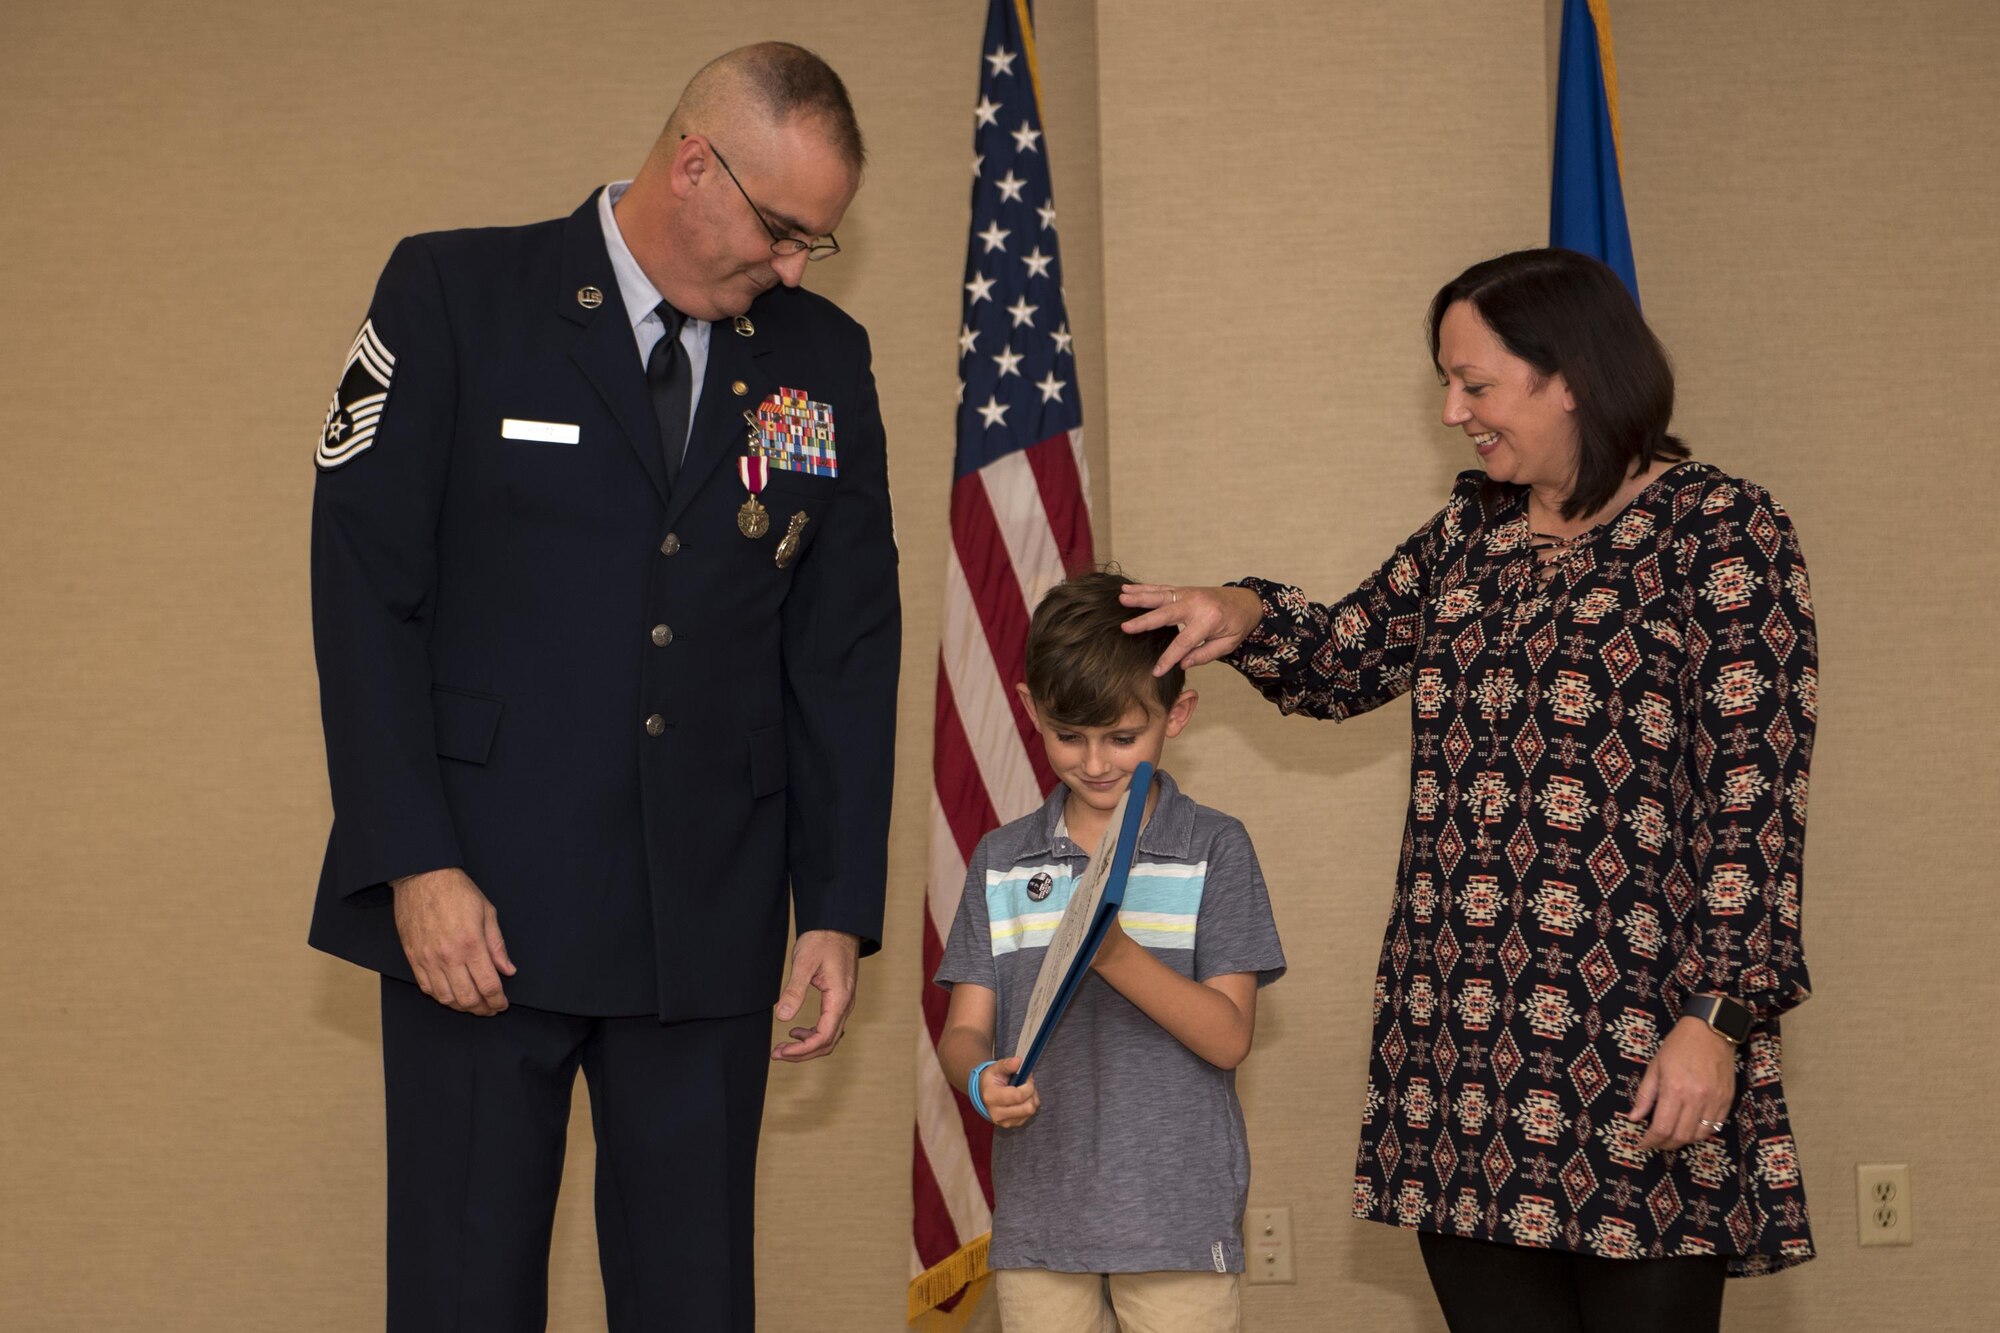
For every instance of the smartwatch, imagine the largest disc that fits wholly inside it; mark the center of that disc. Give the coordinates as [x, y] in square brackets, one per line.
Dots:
[1725, 1018]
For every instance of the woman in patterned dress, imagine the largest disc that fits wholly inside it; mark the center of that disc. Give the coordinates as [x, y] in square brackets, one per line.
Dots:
[1612, 667]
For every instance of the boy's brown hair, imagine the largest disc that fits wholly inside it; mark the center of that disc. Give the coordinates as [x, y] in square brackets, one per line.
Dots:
[1083, 670]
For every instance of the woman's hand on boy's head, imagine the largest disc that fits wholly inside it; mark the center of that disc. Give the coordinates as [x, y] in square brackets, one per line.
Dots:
[1210, 621]
[1007, 1106]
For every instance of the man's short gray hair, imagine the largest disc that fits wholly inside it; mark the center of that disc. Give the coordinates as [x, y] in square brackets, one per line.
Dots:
[780, 79]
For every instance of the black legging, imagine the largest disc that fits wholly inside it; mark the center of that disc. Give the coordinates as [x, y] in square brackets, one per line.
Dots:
[1487, 1288]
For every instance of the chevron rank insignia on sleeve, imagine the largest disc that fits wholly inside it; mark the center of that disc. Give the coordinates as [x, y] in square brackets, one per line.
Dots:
[358, 401]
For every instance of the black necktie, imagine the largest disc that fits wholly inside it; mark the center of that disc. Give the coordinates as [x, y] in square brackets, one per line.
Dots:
[670, 377]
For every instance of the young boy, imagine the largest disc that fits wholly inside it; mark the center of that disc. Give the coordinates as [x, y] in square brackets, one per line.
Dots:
[1118, 1201]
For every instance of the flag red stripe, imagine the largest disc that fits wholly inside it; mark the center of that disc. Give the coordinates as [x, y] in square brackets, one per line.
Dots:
[1054, 464]
[936, 998]
[970, 815]
[960, 788]
[936, 1238]
[996, 593]
[978, 1131]
[968, 755]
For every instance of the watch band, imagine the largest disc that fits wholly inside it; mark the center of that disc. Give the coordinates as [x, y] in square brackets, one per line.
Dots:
[1725, 1017]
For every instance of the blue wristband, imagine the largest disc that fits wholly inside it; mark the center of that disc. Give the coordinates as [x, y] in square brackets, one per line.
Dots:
[972, 1089]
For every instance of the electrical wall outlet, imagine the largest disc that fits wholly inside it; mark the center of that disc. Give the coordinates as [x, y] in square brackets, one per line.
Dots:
[1882, 1201]
[1267, 1244]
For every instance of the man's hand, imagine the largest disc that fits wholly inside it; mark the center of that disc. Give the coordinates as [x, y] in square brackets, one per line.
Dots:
[826, 960]
[451, 935]
[1687, 1088]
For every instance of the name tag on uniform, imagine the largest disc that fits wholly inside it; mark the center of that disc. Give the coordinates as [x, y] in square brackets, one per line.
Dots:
[542, 432]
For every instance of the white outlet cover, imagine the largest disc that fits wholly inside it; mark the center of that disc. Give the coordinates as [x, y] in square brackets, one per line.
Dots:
[1267, 1246]
[1883, 1203]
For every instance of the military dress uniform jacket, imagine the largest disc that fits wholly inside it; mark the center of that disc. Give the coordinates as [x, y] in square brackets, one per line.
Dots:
[632, 725]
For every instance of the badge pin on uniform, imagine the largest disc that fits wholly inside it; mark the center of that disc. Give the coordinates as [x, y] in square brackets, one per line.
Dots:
[788, 545]
[752, 519]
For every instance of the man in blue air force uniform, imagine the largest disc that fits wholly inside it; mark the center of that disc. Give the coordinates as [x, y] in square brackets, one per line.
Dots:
[606, 667]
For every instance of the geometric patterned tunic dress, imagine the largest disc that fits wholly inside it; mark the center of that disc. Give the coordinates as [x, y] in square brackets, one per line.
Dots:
[1609, 765]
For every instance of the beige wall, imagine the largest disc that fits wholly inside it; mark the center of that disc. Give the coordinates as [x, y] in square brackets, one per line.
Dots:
[199, 197]
[1817, 246]
[1320, 172]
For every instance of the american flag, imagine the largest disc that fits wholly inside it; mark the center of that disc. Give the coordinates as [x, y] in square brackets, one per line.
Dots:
[1020, 521]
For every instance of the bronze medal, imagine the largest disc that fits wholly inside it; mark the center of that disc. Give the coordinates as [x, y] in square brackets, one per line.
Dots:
[752, 519]
[788, 545]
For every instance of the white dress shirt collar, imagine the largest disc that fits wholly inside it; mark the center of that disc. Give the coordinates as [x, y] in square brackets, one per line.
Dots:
[641, 296]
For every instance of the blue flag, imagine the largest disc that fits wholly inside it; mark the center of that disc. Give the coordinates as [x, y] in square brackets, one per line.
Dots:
[1587, 200]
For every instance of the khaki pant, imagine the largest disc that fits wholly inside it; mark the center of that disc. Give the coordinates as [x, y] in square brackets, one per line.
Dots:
[1034, 1300]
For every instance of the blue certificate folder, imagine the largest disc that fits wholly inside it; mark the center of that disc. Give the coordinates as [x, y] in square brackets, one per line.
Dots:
[1091, 908]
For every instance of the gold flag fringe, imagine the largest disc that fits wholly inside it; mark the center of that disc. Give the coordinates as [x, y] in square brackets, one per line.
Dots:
[964, 1270]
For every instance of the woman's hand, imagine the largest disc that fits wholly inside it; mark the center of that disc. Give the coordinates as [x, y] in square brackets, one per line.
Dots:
[1007, 1106]
[1692, 1079]
[1212, 621]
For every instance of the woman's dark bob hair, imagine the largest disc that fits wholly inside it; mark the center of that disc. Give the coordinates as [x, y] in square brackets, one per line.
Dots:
[1565, 313]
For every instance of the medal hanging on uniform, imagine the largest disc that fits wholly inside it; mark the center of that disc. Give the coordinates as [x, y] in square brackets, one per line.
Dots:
[788, 545]
[752, 519]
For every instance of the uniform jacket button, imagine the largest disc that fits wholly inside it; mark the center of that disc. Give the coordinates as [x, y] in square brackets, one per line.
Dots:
[655, 725]
[670, 545]
[662, 636]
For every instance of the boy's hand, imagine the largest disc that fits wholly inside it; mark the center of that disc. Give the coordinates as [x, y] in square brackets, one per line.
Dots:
[1113, 948]
[1009, 1107]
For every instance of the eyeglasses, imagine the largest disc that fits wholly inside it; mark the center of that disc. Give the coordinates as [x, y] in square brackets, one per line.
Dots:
[818, 248]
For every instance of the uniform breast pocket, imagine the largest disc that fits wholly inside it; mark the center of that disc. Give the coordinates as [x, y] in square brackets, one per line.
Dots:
[798, 502]
[807, 487]
[540, 461]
